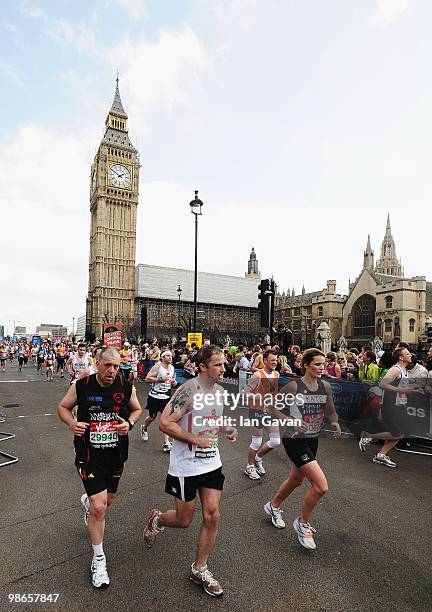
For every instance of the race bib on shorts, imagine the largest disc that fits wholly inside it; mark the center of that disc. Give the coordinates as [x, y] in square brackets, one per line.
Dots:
[103, 432]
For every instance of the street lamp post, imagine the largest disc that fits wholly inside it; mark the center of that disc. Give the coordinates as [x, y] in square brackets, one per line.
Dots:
[179, 291]
[196, 206]
[73, 326]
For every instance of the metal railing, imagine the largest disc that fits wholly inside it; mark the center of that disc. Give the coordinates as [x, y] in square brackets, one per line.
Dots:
[6, 436]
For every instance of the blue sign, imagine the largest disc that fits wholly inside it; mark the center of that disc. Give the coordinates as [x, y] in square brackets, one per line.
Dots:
[36, 340]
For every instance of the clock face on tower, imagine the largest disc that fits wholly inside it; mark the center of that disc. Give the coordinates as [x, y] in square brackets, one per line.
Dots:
[119, 176]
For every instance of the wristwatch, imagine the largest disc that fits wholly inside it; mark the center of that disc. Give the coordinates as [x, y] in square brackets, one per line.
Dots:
[131, 424]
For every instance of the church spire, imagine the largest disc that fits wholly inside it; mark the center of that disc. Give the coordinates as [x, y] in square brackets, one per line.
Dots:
[253, 271]
[117, 106]
[388, 263]
[117, 123]
[368, 256]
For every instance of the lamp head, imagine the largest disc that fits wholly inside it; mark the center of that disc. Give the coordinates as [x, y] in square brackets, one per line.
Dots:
[196, 204]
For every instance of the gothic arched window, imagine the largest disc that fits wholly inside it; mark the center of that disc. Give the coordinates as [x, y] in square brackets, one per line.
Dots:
[397, 328]
[379, 328]
[412, 325]
[389, 302]
[363, 317]
[388, 325]
[320, 311]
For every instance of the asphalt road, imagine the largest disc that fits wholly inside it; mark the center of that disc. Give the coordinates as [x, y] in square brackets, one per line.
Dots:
[373, 528]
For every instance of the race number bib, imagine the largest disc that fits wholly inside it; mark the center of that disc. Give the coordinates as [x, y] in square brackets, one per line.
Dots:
[206, 453]
[103, 432]
[313, 423]
[164, 387]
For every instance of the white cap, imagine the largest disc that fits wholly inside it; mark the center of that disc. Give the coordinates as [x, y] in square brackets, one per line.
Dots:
[126, 343]
[380, 354]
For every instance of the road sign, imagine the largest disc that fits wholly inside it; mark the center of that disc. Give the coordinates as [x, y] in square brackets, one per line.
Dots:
[195, 339]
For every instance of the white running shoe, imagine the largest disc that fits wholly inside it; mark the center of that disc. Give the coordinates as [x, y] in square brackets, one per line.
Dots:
[275, 514]
[259, 466]
[205, 578]
[305, 534]
[251, 472]
[99, 572]
[364, 441]
[86, 508]
[144, 433]
[384, 460]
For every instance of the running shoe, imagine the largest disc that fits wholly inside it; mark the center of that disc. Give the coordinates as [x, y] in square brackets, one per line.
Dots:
[99, 573]
[144, 433]
[305, 534]
[384, 460]
[364, 441]
[204, 577]
[251, 472]
[259, 466]
[275, 514]
[151, 531]
[85, 505]
[167, 447]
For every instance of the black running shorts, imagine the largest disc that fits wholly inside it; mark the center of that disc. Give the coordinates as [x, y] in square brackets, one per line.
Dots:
[301, 450]
[155, 405]
[100, 477]
[186, 487]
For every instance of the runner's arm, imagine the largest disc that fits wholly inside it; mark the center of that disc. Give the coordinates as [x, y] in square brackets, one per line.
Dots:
[390, 377]
[180, 404]
[289, 389]
[134, 407]
[255, 364]
[151, 376]
[64, 411]
[332, 414]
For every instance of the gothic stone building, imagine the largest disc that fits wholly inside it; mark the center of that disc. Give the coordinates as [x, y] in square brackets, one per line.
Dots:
[227, 305]
[381, 302]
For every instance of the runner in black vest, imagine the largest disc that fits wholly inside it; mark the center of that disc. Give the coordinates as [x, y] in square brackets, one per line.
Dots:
[311, 398]
[107, 409]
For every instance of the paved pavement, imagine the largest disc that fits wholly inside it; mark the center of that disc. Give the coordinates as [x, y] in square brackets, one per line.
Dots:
[373, 541]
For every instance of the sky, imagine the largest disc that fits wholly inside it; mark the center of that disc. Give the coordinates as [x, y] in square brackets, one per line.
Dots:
[301, 123]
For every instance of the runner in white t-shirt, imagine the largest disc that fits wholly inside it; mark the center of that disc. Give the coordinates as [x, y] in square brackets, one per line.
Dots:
[191, 418]
[78, 364]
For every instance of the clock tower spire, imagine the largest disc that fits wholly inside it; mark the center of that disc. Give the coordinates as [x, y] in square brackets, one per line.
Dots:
[113, 209]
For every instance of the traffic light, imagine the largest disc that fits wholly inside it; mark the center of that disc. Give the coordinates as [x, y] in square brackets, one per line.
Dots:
[264, 305]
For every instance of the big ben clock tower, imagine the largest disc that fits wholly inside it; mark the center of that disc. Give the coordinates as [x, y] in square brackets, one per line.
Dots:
[113, 208]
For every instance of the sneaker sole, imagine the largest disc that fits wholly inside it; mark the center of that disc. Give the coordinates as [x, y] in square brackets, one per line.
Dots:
[260, 473]
[199, 583]
[102, 585]
[267, 511]
[150, 519]
[301, 540]
[383, 463]
[252, 477]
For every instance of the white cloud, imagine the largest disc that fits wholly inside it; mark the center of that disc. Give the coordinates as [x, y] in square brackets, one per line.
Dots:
[135, 8]
[45, 206]
[82, 36]
[29, 9]
[9, 27]
[12, 73]
[240, 14]
[388, 11]
[161, 74]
